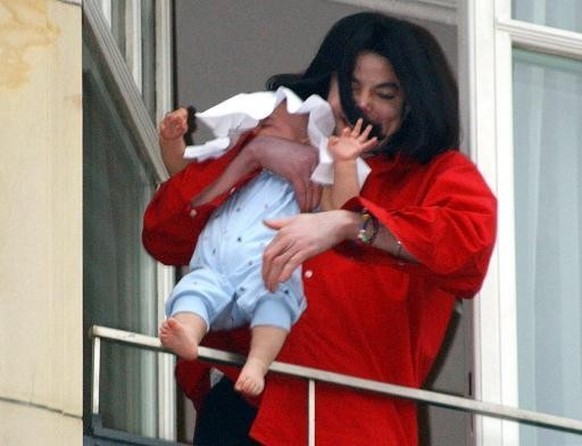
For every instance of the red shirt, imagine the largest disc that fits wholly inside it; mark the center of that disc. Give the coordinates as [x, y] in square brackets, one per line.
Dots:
[368, 314]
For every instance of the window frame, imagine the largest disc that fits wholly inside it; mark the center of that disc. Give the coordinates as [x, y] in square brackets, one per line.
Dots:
[126, 78]
[486, 86]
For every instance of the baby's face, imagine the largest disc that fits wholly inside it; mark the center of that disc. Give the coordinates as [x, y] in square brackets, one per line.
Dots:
[281, 123]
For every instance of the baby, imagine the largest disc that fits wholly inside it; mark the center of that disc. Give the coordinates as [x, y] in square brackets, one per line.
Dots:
[224, 288]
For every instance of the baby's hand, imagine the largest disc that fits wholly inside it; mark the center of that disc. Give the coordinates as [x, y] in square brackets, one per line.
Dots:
[352, 142]
[174, 125]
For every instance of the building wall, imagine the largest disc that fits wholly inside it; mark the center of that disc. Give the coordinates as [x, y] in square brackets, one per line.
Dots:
[40, 223]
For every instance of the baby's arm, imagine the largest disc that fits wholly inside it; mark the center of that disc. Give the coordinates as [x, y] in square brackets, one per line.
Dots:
[171, 137]
[345, 149]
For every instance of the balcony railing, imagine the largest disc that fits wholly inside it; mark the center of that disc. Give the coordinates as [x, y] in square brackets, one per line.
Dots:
[313, 375]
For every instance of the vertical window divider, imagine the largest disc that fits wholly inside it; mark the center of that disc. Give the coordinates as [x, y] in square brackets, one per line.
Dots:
[106, 10]
[164, 102]
[485, 82]
[133, 41]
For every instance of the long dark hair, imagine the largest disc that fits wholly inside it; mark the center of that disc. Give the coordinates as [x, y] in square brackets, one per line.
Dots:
[431, 124]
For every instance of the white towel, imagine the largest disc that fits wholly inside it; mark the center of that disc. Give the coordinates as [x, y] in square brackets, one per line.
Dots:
[242, 112]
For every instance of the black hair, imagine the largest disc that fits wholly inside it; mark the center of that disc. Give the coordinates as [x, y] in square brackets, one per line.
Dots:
[431, 122]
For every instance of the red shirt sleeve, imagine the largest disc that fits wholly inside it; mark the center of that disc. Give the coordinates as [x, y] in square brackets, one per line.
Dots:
[450, 228]
[169, 233]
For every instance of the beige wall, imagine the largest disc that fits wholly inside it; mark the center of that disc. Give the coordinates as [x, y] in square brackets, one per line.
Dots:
[40, 223]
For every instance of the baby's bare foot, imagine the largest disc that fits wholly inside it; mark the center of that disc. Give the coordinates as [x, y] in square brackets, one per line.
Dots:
[251, 380]
[179, 338]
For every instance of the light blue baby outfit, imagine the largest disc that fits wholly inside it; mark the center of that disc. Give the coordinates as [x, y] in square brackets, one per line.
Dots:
[224, 285]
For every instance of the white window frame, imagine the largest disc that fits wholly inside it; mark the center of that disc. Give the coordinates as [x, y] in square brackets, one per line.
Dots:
[441, 11]
[489, 35]
[164, 102]
[127, 75]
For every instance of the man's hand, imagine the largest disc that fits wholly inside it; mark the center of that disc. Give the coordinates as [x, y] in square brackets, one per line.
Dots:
[291, 160]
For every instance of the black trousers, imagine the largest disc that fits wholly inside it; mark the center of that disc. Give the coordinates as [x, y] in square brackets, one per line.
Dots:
[225, 418]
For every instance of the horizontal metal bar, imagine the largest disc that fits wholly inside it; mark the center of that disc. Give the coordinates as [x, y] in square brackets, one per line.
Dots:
[423, 396]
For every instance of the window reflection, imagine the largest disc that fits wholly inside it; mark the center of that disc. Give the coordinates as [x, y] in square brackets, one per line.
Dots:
[562, 14]
[548, 188]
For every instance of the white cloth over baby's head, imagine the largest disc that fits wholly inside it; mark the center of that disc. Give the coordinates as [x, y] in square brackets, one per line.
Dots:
[243, 112]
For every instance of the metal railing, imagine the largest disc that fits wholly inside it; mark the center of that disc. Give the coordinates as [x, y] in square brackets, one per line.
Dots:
[312, 375]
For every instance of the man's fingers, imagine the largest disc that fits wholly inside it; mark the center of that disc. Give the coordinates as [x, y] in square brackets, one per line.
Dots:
[302, 195]
[281, 267]
[314, 195]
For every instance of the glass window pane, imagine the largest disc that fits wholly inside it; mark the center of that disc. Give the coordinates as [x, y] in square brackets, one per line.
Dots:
[548, 188]
[119, 277]
[118, 24]
[148, 29]
[563, 14]
[145, 10]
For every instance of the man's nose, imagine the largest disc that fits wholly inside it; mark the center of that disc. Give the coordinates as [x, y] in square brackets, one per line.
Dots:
[364, 100]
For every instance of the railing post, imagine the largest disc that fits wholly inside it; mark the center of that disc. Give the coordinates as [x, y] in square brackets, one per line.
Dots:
[311, 413]
[96, 371]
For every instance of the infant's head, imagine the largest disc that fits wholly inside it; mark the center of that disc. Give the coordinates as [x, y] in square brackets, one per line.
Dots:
[281, 123]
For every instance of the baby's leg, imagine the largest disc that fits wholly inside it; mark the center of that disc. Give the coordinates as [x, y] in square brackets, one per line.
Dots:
[266, 343]
[182, 334]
